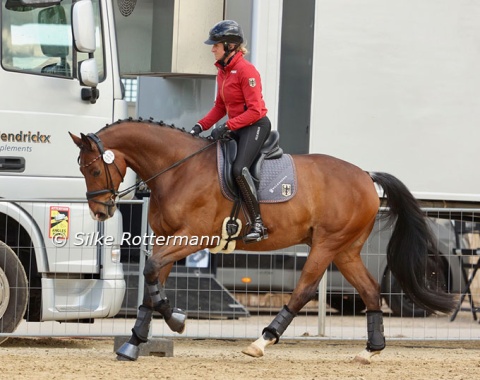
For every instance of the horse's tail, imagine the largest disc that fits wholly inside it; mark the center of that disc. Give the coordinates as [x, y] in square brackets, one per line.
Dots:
[411, 247]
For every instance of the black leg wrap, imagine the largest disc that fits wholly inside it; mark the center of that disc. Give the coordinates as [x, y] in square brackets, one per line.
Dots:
[174, 317]
[156, 293]
[376, 339]
[142, 324]
[130, 350]
[279, 324]
[164, 308]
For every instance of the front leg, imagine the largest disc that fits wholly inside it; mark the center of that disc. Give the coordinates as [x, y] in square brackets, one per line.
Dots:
[174, 317]
[130, 350]
[271, 334]
[158, 266]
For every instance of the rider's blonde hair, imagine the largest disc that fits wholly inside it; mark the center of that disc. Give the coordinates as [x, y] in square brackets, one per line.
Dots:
[242, 47]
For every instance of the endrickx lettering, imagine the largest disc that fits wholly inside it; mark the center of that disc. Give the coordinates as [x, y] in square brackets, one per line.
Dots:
[27, 137]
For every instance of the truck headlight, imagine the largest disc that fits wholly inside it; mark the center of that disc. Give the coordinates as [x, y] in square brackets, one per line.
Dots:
[115, 253]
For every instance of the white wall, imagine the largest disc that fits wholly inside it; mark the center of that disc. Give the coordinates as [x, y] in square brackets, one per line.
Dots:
[396, 88]
[265, 50]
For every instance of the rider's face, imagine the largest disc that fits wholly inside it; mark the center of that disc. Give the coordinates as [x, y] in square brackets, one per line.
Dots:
[218, 50]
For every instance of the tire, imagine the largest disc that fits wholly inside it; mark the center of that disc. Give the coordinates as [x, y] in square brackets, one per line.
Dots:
[13, 291]
[400, 304]
[353, 305]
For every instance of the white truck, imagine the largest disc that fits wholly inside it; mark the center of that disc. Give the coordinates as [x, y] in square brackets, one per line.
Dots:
[59, 73]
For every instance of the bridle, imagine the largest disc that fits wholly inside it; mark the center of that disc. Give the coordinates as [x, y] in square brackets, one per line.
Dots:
[110, 186]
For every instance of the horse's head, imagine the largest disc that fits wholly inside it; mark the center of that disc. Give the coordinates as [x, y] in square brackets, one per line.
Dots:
[103, 171]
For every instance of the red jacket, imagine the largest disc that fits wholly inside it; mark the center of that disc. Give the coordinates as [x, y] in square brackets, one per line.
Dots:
[239, 95]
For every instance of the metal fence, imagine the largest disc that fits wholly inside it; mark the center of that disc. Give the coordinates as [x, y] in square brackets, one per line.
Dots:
[237, 295]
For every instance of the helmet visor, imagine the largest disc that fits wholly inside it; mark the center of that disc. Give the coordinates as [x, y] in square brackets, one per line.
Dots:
[212, 40]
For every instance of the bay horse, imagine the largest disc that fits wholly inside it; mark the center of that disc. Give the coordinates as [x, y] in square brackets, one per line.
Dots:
[333, 212]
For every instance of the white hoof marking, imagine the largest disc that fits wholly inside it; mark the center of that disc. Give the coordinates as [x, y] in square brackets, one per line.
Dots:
[365, 357]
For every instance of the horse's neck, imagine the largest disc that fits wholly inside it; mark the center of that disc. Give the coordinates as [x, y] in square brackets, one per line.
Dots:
[149, 149]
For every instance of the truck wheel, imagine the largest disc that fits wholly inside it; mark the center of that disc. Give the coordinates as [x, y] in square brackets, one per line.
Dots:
[13, 291]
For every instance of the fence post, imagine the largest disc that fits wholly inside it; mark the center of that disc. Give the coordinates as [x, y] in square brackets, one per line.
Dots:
[145, 231]
[322, 304]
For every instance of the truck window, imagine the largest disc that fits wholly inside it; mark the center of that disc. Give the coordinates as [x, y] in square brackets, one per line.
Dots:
[39, 40]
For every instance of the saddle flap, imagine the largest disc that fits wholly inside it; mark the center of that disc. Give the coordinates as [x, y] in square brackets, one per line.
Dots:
[278, 180]
[271, 142]
[270, 151]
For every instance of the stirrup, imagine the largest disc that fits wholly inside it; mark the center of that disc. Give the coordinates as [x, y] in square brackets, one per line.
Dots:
[257, 233]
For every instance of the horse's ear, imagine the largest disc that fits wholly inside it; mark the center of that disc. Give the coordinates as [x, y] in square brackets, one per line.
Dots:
[86, 142]
[82, 142]
[77, 140]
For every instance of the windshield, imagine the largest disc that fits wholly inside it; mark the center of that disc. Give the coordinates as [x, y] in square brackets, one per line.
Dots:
[39, 40]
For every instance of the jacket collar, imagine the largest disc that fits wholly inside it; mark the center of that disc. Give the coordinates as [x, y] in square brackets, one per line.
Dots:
[231, 64]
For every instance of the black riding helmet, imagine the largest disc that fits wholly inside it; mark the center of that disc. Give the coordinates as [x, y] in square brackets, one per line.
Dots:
[226, 31]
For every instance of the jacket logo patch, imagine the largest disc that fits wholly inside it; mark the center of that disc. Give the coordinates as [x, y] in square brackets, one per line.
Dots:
[252, 82]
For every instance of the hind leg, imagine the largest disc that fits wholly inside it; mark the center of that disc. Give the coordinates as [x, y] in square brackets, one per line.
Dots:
[351, 266]
[305, 290]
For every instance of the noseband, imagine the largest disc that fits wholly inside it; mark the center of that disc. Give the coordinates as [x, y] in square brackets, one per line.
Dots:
[107, 158]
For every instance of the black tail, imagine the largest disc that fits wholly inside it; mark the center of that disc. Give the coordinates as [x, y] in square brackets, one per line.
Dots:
[411, 247]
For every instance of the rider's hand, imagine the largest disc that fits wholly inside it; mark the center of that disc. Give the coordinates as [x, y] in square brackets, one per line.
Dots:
[196, 130]
[220, 132]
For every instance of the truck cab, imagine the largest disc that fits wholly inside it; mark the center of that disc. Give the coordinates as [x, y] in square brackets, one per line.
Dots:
[59, 73]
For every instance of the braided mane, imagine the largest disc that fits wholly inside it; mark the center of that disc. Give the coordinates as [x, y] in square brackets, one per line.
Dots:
[150, 121]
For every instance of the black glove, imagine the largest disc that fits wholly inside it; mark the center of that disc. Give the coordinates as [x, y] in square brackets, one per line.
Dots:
[196, 130]
[219, 132]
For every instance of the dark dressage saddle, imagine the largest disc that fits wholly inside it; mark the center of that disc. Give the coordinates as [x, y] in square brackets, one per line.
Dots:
[273, 171]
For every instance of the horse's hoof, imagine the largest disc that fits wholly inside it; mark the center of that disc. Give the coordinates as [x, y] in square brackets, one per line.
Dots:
[254, 351]
[365, 357]
[123, 359]
[177, 321]
[182, 329]
[128, 352]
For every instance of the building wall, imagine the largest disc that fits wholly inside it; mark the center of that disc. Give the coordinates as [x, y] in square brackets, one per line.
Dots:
[396, 88]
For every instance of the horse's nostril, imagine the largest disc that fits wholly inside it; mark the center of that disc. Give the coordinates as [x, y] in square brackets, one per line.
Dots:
[100, 216]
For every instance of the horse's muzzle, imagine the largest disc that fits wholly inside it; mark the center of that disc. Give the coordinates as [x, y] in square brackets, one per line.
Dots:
[102, 211]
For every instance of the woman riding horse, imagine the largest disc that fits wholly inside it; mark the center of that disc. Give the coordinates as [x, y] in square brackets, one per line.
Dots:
[240, 96]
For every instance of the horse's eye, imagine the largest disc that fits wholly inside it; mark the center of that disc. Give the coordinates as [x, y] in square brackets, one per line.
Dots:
[96, 173]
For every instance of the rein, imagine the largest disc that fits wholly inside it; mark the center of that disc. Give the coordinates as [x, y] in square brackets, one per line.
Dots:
[98, 142]
[174, 165]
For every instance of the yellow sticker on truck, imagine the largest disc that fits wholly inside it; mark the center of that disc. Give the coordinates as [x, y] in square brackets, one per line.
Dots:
[59, 222]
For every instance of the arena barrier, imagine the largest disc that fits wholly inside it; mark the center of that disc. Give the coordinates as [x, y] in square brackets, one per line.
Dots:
[233, 296]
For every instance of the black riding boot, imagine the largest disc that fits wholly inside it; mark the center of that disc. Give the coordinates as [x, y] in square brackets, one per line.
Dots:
[249, 194]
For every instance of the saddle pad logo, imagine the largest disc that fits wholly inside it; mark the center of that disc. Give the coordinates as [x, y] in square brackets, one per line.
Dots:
[286, 189]
[252, 82]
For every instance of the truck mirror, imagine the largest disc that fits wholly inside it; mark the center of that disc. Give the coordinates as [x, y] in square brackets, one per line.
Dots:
[88, 72]
[83, 26]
